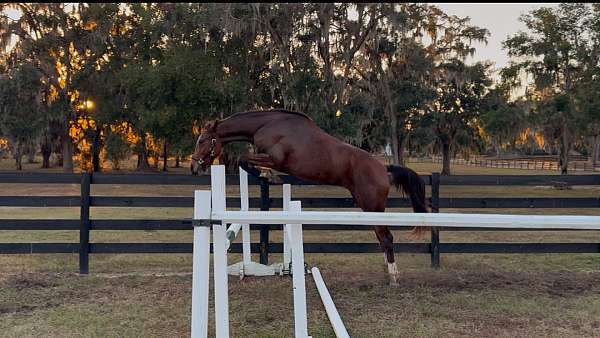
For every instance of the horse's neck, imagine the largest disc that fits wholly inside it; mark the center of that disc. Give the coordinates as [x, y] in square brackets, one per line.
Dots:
[240, 128]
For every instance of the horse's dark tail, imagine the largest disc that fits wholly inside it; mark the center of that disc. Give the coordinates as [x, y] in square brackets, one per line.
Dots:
[412, 184]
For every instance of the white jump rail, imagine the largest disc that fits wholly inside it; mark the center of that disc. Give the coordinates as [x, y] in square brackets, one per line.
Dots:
[447, 220]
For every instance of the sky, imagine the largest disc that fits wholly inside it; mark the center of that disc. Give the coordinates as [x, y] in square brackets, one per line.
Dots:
[501, 19]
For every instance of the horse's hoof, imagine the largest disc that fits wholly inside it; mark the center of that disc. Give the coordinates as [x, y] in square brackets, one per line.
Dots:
[394, 280]
[265, 173]
[270, 176]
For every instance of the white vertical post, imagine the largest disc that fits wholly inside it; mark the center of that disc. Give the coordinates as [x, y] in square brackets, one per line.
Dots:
[287, 196]
[247, 254]
[201, 263]
[217, 181]
[297, 245]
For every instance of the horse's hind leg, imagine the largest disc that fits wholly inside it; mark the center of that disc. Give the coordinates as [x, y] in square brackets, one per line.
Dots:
[371, 200]
[386, 241]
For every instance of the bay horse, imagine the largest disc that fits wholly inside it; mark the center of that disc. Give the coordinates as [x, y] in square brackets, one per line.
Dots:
[292, 143]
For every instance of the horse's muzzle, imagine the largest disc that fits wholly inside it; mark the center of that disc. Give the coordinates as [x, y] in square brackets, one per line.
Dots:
[199, 165]
[195, 166]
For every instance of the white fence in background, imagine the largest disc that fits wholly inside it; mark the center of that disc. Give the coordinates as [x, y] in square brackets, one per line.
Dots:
[293, 218]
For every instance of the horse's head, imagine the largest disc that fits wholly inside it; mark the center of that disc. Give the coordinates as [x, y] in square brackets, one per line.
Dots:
[208, 147]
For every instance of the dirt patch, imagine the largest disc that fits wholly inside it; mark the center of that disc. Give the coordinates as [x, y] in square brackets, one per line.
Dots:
[27, 281]
[559, 284]
[457, 303]
[28, 293]
[20, 309]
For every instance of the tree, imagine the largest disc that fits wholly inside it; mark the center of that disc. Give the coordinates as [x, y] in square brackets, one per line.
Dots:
[394, 70]
[21, 108]
[60, 39]
[586, 91]
[116, 145]
[366, 73]
[454, 114]
[502, 120]
[554, 51]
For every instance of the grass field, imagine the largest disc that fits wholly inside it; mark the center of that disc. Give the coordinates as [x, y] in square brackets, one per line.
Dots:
[549, 295]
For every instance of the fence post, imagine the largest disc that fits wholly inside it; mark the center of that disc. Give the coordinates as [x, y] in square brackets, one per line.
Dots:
[435, 232]
[218, 199]
[244, 206]
[84, 226]
[298, 281]
[265, 203]
[201, 264]
[287, 257]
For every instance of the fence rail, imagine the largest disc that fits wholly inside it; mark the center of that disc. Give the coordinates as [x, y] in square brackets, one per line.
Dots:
[532, 163]
[85, 200]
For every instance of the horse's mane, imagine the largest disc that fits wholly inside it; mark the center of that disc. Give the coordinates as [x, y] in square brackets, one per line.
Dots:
[275, 111]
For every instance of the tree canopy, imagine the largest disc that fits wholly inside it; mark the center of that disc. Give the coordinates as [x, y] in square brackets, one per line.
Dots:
[99, 81]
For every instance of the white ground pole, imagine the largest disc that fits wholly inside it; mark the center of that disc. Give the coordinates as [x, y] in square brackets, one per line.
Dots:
[332, 312]
[287, 196]
[298, 283]
[201, 264]
[217, 183]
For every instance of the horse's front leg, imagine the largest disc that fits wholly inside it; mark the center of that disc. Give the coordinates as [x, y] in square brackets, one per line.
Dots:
[251, 161]
[248, 167]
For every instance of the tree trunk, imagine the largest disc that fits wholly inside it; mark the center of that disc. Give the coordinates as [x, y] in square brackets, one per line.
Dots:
[46, 149]
[394, 138]
[496, 146]
[403, 140]
[96, 150]
[564, 151]
[31, 153]
[19, 156]
[67, 151]
[595, 150]
[155, 160]
[446, 157]
[177, 162]
[142, 163]
[164, 168]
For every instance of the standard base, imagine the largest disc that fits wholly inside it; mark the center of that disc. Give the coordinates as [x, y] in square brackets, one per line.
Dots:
[254, 269]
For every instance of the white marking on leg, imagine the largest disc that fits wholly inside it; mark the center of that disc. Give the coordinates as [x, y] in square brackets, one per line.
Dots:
[392, 268]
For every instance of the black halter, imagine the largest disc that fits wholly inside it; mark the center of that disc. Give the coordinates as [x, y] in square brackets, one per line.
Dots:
[211, 153]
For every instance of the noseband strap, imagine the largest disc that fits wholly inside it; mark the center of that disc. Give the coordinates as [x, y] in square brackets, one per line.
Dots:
[213, 144]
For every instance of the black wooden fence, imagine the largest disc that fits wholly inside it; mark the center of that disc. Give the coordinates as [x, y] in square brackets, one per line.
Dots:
[576, 163]
[85, 200]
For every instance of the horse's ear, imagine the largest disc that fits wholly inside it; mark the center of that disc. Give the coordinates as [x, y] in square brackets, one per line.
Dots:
[211, 125]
